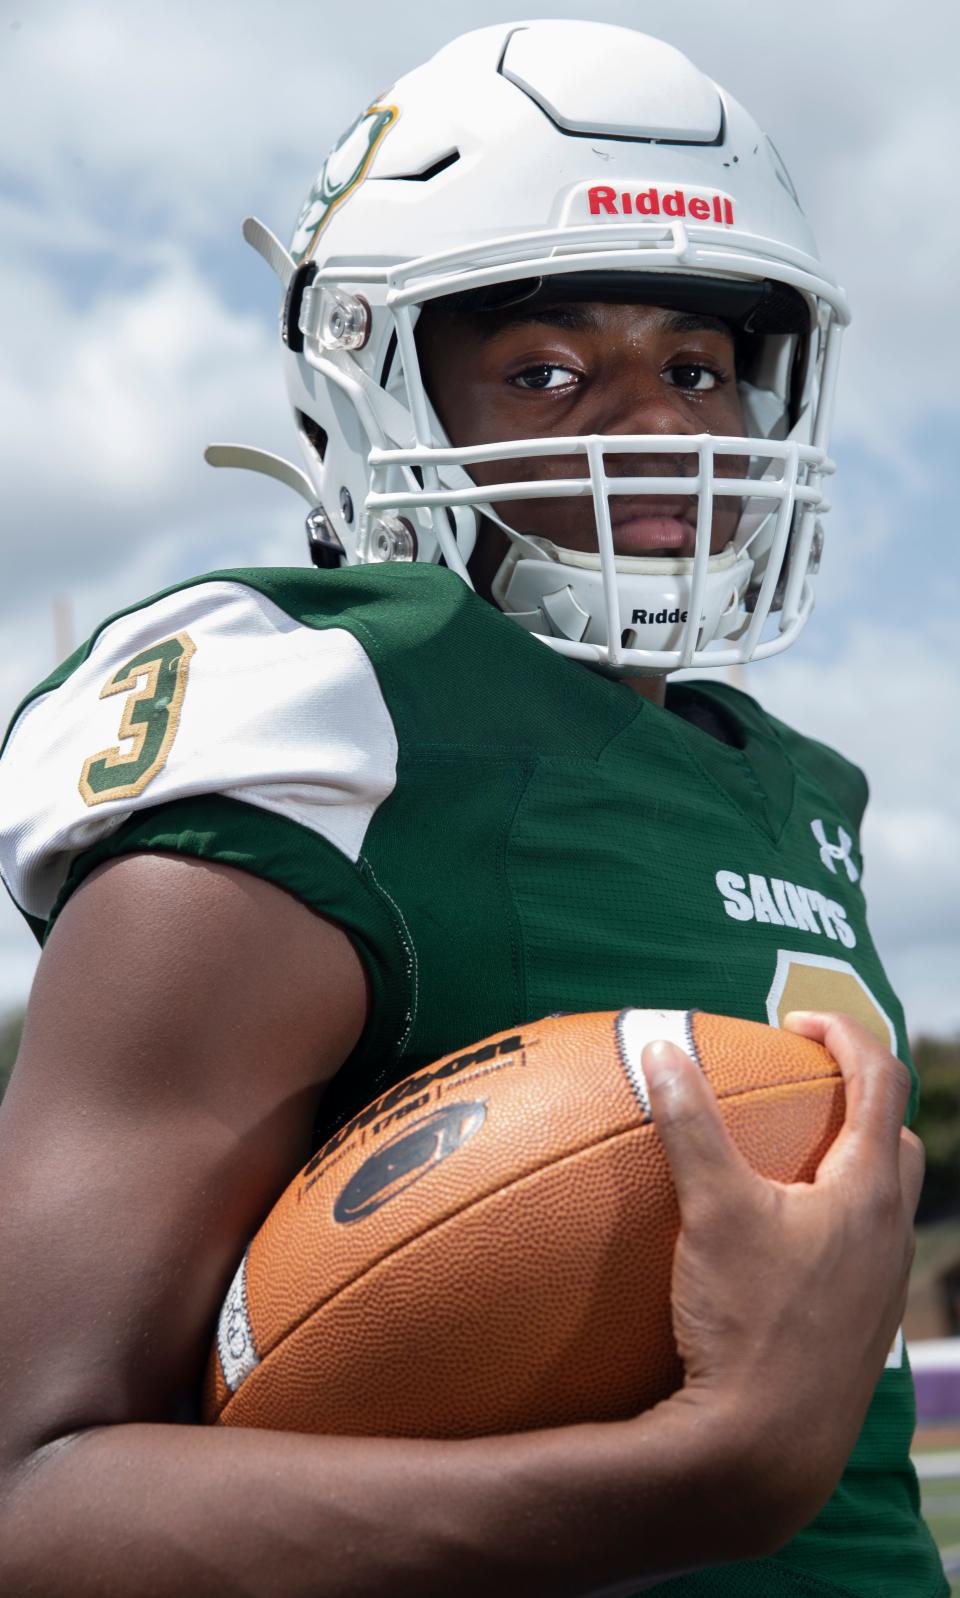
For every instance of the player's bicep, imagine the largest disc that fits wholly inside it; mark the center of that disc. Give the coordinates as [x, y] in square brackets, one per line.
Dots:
[183, 1021]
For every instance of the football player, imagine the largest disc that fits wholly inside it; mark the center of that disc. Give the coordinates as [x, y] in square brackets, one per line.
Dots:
[561, 356]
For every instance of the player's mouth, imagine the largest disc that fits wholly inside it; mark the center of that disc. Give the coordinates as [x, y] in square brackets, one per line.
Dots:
[660, 528]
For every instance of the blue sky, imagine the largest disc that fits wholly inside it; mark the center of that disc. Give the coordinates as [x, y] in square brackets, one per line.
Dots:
[136, 326]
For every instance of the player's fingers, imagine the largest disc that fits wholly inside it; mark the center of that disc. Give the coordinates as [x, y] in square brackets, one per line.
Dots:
[699, 1149]
[912, 1165]
[876, 1084]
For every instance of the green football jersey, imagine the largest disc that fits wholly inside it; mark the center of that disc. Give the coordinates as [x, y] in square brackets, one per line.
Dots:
[503, 834]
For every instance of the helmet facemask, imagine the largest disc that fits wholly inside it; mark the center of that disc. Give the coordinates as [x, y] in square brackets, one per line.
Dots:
[648, 613]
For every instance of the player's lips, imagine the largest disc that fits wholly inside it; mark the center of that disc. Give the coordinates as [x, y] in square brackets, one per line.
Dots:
[657, 529]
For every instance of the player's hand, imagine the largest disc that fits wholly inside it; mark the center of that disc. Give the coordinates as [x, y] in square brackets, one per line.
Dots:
[787, 1297]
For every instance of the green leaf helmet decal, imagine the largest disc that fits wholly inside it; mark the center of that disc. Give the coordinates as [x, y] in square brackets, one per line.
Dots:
[343, 171]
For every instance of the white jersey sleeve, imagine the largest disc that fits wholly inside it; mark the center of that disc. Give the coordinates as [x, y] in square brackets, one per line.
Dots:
[212, 689]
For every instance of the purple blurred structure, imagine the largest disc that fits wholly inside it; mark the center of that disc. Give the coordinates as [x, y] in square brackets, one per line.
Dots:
[936, 1374]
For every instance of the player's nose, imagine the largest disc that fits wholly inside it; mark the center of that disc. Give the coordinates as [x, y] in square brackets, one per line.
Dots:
[647, 406]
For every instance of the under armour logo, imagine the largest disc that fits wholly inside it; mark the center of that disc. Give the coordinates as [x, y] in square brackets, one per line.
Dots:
[831, 853]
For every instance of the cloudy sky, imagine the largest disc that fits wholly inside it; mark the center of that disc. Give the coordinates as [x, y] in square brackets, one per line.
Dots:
[135, 326]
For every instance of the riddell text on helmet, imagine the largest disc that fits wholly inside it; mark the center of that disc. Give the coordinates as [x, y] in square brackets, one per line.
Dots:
[653, 201]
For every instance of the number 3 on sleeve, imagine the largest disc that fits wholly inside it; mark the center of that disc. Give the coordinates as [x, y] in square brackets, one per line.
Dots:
[150, 718]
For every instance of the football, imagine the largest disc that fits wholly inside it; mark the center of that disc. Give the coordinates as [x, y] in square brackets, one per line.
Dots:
[487, 1247]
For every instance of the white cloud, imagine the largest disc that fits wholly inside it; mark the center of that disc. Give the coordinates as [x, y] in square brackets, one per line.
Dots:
[108, 415]
[168, 117]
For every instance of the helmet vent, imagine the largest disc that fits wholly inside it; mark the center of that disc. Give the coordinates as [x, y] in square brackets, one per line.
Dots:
[428, 172]
[315, 435]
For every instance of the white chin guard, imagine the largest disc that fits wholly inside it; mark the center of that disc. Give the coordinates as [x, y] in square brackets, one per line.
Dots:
[653, 598]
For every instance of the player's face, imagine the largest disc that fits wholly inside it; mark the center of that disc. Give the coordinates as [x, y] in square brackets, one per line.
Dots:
[583, 368]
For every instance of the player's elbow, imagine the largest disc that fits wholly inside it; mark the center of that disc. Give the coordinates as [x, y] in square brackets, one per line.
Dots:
[25, 1506]
[782, 1499]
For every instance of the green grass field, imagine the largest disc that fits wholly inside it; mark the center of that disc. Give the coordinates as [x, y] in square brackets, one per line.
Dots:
[941, 1508]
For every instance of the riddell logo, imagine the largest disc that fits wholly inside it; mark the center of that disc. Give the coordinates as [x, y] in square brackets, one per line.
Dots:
[649, 618]
[605, 201]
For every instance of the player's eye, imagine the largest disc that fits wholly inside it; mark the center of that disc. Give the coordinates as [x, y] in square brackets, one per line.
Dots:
[694, 377]
[545, 375]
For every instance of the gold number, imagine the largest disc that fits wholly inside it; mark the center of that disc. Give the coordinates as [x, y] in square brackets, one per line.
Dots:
[150, 718]
[817, 982]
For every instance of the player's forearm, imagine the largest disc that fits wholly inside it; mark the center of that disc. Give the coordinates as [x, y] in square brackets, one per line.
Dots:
[173, 1510]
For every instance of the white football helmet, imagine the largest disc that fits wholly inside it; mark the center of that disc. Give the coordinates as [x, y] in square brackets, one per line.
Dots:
[519, 155]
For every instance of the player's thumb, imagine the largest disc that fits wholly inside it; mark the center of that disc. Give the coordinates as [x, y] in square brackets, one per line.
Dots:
[699, 1149]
